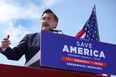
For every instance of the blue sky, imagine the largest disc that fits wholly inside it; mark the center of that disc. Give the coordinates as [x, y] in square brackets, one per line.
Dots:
[19, 17]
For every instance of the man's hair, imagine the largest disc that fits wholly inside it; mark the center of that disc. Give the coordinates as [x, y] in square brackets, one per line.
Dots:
[49, 11]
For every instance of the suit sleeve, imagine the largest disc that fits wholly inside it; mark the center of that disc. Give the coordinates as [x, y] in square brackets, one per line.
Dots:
[17, 52]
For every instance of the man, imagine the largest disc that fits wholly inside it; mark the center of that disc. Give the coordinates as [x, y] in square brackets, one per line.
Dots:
[30, 44]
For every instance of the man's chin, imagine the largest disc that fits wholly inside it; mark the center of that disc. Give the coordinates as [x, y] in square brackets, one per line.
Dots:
[44, 30]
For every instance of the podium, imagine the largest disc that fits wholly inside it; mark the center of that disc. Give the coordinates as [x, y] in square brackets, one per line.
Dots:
[65, 56]
[70, 53]
[20, 71]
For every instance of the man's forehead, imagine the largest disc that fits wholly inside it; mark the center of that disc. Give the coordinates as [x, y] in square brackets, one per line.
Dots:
[47, 15]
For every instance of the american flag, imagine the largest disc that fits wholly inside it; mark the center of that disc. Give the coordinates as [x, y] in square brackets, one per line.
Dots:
[90, 29]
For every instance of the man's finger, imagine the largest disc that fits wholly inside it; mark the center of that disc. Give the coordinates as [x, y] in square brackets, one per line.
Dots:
[8, 36]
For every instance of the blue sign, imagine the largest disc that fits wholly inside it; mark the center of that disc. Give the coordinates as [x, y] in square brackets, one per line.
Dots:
[66, 52]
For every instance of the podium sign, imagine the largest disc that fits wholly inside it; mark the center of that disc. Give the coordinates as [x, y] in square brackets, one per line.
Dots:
[66, 52]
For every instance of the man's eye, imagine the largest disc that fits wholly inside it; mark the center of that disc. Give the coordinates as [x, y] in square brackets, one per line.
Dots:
[43, 18]
[49, 18]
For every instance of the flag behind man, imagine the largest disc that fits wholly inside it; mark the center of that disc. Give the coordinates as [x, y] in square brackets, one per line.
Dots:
[90, 29]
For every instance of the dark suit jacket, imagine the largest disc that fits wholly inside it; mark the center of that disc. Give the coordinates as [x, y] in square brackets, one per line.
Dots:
[28, 46]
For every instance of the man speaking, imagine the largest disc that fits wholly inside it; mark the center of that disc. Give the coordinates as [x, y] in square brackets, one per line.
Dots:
[30, 44]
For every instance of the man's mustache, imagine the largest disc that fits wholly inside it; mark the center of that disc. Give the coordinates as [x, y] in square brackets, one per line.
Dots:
[45, 24]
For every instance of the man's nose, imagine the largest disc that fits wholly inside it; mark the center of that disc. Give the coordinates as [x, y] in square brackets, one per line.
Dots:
[45, 20]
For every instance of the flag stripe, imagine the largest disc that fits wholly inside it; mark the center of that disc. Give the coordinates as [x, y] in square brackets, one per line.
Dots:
[80, 34]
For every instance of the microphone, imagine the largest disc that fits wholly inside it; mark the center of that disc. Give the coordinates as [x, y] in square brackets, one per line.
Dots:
[54, 30]
[48, 28]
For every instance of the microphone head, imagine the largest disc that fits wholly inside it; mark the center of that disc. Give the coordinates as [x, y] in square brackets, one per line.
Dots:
[54, 30]
[48, 28]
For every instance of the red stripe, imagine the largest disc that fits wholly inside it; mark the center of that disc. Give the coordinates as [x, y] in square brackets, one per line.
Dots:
[80, 34]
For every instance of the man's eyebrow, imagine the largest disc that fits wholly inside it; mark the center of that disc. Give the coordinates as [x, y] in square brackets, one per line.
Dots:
[46, 17]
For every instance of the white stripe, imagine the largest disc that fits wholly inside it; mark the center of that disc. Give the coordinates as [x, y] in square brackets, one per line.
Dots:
[35, 58]
[83, 36]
